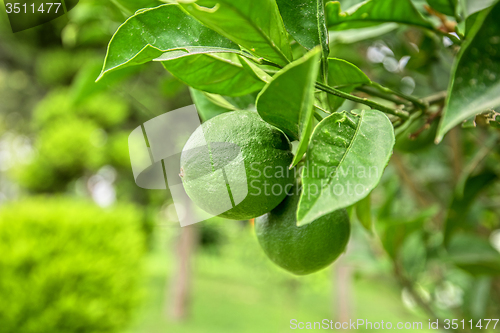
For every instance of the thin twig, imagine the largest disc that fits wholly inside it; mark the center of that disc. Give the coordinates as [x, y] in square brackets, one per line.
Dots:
[426, 126]
[379, 94]
[422, 105]
[395, 112]
[437, 98]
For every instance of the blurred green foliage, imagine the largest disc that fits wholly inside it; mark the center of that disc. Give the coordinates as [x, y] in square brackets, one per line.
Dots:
[68, 266]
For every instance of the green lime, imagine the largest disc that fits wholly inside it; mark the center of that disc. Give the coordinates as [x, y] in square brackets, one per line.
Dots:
[306, 249]
[236, 166]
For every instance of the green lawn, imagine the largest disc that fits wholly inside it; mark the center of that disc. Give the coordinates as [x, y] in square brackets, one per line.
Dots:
[237, 289]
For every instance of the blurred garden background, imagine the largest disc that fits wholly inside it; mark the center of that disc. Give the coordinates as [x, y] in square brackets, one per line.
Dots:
[83, 249]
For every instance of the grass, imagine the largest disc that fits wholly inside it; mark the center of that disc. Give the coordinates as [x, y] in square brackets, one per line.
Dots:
[237, 289]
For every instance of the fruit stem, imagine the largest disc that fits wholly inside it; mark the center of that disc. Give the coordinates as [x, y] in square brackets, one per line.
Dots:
[395, 112]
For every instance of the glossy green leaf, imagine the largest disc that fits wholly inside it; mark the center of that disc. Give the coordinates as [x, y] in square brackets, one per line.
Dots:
[151, 32]
[342, 73]
[208, 105]
[287, 100]
[255, 70]
[469, 23]
[474, 255]
[475, 84]
[305, 21]
[474, 6]
[344, 76]
[255, 25]
[374, 12]
[193, 50]
[446, 7]
[132, 6]
[220, 74]
[364, 213]
[345, 161]
[356, 35]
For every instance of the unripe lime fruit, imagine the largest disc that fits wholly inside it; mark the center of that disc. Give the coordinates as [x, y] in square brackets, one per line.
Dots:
[306, 249]
[236, 166]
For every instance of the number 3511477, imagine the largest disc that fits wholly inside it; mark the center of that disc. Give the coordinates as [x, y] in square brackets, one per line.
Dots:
[481, 324]
[47, 7]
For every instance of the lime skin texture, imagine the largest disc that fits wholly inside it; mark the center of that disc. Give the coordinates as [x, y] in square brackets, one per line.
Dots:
[236, 166]
[306, 249]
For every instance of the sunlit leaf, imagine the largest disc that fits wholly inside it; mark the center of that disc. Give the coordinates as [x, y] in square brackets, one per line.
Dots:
[374, 12]
[220, 74]
[447, 7]
[255, 25]
[474, 6]
[305, 21]
[356, 35]
[152, 32]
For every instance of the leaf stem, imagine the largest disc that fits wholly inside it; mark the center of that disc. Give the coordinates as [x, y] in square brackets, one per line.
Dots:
[437, 98]
[395, 112]
[379, 94]
[415, 101]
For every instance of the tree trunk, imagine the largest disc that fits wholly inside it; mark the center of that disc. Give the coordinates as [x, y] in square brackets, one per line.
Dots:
[342, 289]
[179, 292]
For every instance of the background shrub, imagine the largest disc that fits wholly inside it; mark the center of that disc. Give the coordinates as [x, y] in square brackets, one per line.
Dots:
[68, 266]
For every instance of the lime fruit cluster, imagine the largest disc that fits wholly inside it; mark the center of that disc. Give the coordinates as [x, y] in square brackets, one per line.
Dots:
[236, 166]
[305, 249]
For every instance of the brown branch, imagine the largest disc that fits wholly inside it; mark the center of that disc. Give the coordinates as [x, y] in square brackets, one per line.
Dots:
[446, 26]
[426, 126]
